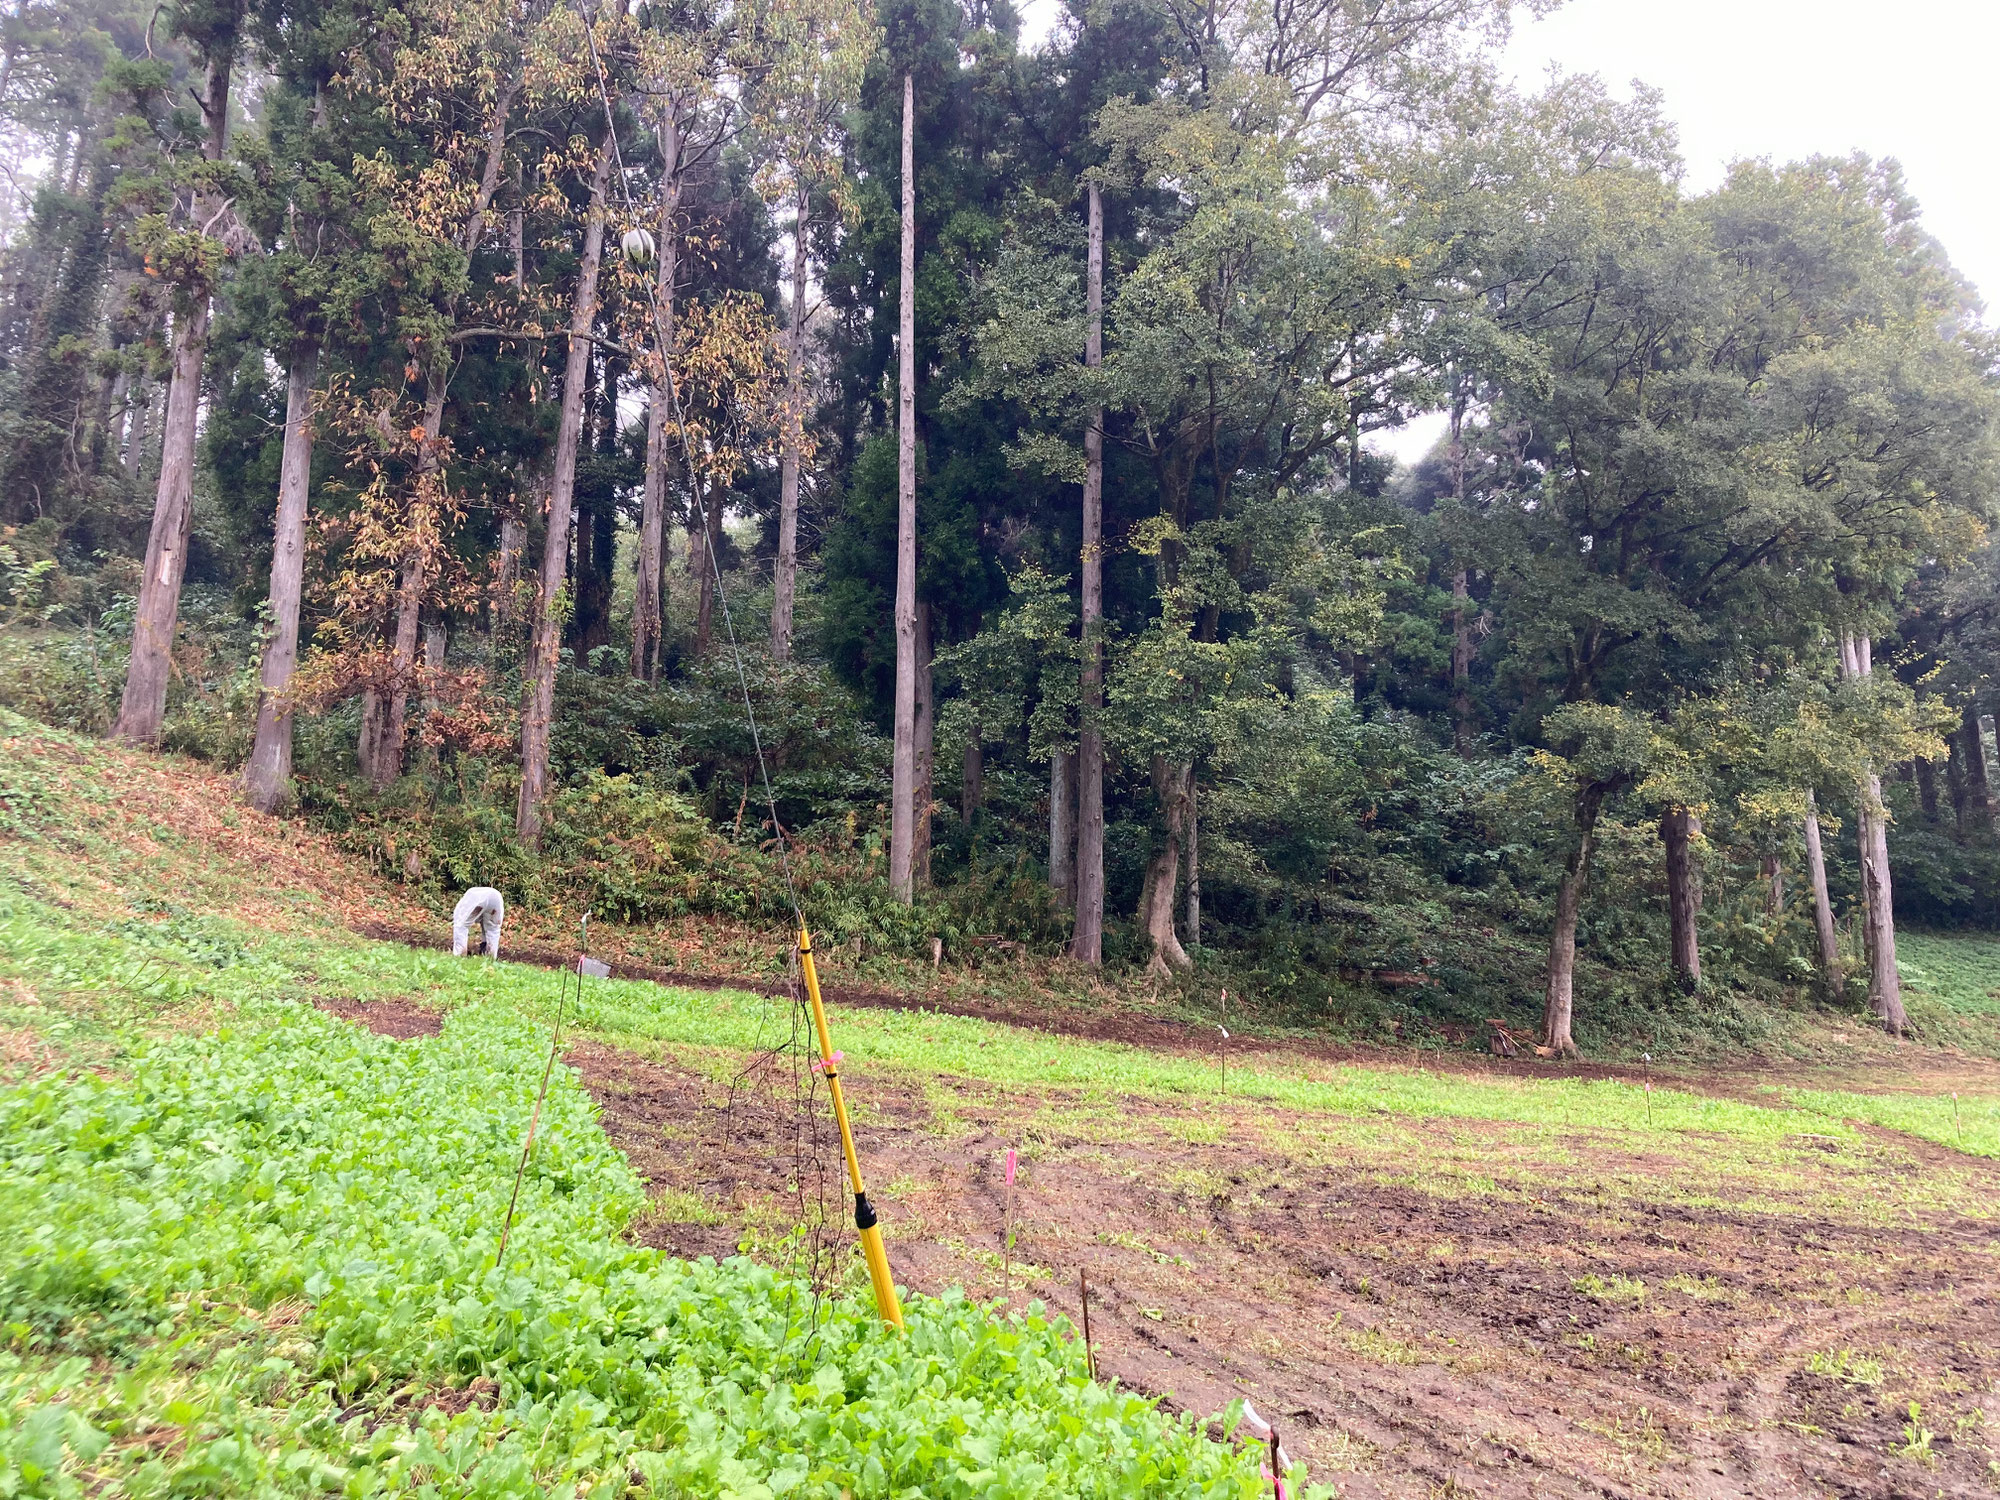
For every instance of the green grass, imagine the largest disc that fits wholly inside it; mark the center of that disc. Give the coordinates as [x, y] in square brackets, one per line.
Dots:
[1972, 1126]
[243, 1258]
[1960, 972]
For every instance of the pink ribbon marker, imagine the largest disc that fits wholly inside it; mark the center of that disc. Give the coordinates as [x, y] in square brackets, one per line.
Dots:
[820, 1065]
[1010, 1166]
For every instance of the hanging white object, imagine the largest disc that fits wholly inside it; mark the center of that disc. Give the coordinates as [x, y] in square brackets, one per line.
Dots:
[638, 245]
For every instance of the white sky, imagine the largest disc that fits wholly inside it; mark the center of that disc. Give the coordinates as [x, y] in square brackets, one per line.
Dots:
[1787, 78]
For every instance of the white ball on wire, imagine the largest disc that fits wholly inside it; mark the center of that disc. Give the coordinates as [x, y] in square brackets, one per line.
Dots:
[638, 246]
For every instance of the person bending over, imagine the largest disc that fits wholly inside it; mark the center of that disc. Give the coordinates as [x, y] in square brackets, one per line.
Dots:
[482, 904]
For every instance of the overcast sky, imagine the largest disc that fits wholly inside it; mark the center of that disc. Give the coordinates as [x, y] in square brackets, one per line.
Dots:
[1914, 79]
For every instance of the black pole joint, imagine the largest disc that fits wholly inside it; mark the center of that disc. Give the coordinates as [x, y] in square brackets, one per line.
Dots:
[864, 1212]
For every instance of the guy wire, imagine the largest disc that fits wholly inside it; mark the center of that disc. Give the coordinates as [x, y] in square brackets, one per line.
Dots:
[807, 1151]
[535, 1118]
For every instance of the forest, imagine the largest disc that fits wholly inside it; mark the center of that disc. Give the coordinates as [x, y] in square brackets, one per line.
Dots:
[658, 456]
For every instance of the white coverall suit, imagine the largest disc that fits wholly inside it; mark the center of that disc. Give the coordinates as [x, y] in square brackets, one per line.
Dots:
[482, 903]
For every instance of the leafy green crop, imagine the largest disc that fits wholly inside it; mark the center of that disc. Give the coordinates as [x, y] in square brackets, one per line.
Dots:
[261, 1255]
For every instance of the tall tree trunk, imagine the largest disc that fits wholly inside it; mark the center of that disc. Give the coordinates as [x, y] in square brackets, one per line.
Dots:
[785, 575]
[903, 762]
[1193, 864]
[1558, 1000]
[709, 557]
[647, 613]
[268, 772]
[1087, 940]
[926, 725]
[1927, 797]
[1828, 934]
[1171, 782]
[145, 702]
[395, 701]
[539, 709]
[135, 431]
[513, 544]
[1978, 793]
[435, 642]
[1885, 985]
[1954, 780]
[158, 609]
[114, 432]
[1678, 828]
[1063, 769]
[1461, 662]
[971, 787]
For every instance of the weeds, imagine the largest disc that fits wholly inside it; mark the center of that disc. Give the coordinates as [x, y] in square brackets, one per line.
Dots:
[1847, 1367]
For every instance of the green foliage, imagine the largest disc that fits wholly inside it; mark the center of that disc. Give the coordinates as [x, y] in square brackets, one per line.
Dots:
[294, 1162]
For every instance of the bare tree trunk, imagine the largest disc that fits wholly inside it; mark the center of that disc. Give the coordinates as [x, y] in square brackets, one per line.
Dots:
[1193, 864]
[647, 613]
[920, 837]
[709, 556]
[1087, 941]
[1558, 1001]
[268, 772]
[517, 241]
[547, 648]
[394, 702]
[1829, 935]
[145, 702]
[1978, 795]
[1885, 985]
[135, 430]
[903, 764]
[1156, 902]
[1461, 662]
[1678, 828]
[1063, 768]
[972, 787]
[513, 544]
[1774, 885]
[785, 576]
[435, 642]
[158, 609]
[1954, 780]
[1927, 797]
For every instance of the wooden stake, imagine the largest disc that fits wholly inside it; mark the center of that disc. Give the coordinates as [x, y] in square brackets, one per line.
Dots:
[1224, 1029]
[1089, 1353]
[1007, 1285]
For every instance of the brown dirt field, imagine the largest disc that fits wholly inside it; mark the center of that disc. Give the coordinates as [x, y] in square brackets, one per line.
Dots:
[1411, 1337]
[401, 1019]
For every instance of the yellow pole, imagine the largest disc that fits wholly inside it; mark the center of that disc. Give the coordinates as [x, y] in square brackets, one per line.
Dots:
[864, 1214]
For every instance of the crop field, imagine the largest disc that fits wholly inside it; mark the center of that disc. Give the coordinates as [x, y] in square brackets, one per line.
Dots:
[253, 1169]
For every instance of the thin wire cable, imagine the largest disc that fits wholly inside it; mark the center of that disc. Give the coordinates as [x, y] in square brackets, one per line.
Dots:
[548, 1071]
[808, 1144]
[687, 453]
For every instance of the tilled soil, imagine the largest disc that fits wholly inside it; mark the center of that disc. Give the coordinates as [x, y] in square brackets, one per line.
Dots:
[1540, 1336]
[1591, 1320]
[391, 1017]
